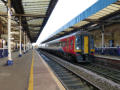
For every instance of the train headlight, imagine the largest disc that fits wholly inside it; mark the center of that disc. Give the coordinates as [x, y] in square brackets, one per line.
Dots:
[77, 48]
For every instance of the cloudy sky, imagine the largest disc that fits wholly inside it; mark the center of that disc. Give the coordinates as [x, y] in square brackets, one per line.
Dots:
[64, 11]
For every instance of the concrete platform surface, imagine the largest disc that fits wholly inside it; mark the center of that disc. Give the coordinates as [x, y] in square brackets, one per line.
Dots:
[16, 76]
[29, 72]
[44, 79]
[109, 57]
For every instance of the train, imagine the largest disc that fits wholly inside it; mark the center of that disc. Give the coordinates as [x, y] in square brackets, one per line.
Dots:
[78, 47]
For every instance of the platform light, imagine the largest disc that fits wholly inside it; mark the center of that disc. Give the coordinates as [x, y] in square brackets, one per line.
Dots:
[12, 38]
[93, 25]
[13, 10]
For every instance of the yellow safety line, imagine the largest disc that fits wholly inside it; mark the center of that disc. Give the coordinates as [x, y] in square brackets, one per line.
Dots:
[30, 87]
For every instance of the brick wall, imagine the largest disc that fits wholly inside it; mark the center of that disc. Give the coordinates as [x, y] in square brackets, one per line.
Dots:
[112, 32]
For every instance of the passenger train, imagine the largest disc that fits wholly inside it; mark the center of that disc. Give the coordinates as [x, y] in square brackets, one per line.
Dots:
[77, 47]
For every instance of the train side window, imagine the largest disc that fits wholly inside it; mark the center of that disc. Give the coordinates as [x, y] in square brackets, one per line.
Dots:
[71, 44]
[63, 43]
[55, 44]
[67, 43]
[60, 44]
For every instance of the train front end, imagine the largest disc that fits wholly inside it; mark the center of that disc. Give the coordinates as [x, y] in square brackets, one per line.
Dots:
[84, 47]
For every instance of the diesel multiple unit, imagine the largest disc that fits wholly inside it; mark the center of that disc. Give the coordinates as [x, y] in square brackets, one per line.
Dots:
[78, 47]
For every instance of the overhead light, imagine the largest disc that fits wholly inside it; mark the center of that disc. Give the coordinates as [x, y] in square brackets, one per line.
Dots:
[13, 11]
[93, 25]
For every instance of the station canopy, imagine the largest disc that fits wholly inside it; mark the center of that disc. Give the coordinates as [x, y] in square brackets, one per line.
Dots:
[102, 12]
[34, 15]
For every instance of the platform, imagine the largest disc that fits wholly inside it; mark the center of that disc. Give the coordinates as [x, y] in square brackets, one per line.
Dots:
[16, 76]
[108, 57]
[44, 79]
[111, 61]
[30, 66]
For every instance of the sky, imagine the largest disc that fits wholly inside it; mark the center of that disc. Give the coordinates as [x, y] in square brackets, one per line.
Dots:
[64, 11]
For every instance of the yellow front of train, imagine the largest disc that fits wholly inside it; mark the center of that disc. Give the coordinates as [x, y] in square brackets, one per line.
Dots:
[84, 47]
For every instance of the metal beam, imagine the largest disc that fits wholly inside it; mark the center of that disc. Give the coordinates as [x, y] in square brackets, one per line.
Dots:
[99, 21]
[30, 25]
[25, 15]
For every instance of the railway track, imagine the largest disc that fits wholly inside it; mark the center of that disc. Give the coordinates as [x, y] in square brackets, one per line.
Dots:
[97, 81]
[69, 79]
[105, 71]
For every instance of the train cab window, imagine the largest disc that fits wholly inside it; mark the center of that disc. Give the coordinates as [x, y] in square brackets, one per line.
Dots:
[78, 43]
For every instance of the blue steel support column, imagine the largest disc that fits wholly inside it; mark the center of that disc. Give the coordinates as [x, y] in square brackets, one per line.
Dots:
[20, 49]
[10, 61]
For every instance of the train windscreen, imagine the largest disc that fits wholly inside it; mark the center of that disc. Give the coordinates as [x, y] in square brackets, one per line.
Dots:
[78, 43]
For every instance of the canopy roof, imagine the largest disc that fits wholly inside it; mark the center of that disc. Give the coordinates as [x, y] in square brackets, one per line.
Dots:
[102, 12]
[34, 14]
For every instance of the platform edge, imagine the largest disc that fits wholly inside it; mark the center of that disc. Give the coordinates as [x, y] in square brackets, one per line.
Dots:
[52, 74]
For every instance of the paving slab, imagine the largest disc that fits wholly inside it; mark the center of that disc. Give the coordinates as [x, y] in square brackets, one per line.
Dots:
[16, 76]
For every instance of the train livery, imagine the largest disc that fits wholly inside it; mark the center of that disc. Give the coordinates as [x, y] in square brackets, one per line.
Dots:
[78, 46]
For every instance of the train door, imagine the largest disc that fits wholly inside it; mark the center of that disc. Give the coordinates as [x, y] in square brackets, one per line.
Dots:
[67, 45]
[86, 45]
[71, 46]
[92, 50]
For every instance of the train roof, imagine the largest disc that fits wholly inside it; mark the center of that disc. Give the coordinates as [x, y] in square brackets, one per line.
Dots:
[76, 33]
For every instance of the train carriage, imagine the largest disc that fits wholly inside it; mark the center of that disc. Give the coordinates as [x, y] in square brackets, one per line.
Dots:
[78, 46]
